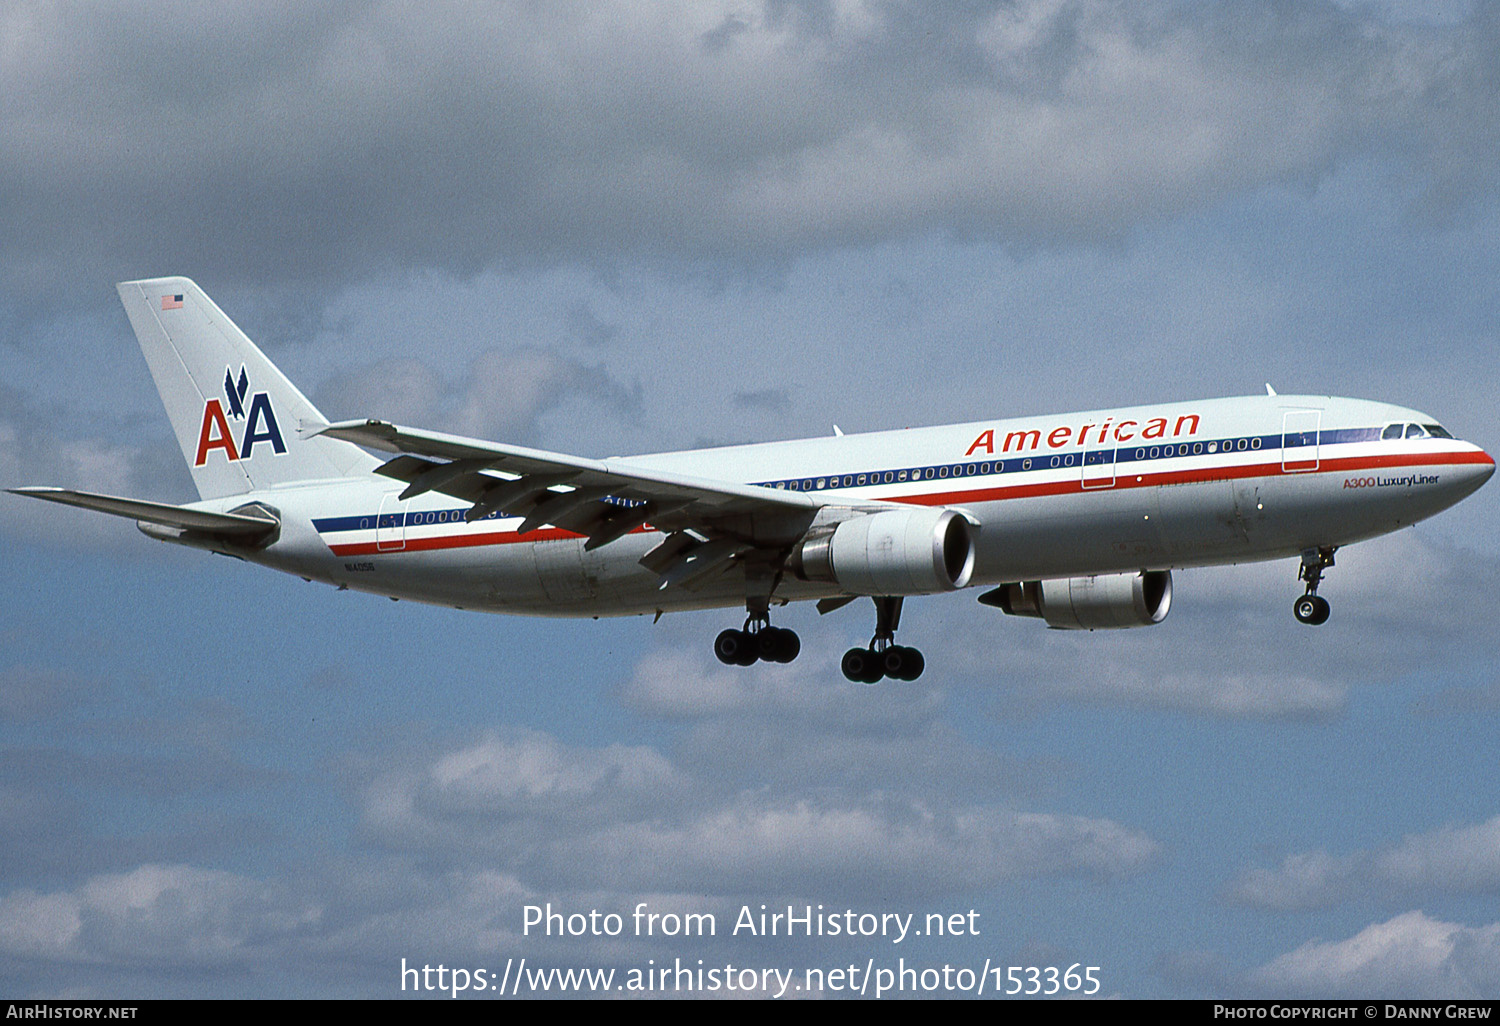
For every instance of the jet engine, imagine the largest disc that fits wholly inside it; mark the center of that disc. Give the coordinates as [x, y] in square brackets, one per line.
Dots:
[915, 551]
[1089, 603]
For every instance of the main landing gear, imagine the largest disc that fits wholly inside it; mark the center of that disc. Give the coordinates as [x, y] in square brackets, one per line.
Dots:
[884, 658]
[757, 640]
[1311, 608]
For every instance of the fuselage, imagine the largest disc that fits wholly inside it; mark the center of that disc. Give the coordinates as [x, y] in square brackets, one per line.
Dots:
[1142, 488]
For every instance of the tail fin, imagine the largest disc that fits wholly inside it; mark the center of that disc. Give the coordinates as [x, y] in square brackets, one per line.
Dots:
[241, 424]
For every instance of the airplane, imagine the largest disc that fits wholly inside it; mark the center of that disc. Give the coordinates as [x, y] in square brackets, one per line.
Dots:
[1077, 519]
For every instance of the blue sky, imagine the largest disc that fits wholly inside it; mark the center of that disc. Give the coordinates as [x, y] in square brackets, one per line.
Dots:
[621, 228]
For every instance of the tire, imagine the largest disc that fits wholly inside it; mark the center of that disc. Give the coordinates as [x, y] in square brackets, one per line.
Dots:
[903, 663]
[893, 662]
[749, 648]
[1311, 609]
[782, 647]
[861, 666]
[733, 647]
[915, 664]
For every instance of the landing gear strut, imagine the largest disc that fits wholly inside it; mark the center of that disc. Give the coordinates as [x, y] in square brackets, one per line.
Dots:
[884, 658]
[1311, 608]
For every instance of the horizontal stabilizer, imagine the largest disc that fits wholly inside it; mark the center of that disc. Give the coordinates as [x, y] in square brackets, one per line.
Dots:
[156, 512]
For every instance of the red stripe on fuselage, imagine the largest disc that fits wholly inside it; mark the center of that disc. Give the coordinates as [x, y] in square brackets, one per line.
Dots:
[1197, 475]
[1072, 486]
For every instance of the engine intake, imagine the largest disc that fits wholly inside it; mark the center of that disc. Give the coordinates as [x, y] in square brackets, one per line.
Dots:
[914, 551]
[1089, 603]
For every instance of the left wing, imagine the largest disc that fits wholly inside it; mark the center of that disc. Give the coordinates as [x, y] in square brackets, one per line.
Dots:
[709, 523]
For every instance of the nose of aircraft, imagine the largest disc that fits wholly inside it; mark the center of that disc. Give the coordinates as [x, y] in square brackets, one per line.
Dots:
[1465, 478]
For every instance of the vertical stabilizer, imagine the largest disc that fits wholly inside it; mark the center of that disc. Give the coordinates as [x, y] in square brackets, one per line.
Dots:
[241, 424]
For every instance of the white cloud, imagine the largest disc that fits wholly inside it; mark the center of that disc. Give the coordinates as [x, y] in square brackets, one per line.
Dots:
[803, 726]
[678, 684]
[625, 819]
[156, 914]
[459, 138]
[34, 451]
[1450, 859]
[501, 394]
[1302, 881]
[1411, 956]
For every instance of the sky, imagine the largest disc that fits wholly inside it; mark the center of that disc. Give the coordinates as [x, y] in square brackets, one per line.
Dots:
[629, 227]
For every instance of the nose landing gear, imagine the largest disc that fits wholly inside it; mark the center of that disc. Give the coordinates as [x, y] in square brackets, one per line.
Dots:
[884, 658]
[1312, 608]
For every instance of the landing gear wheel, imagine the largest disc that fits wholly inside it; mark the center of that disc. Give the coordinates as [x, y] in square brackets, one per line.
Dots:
[778, 645]
[902, 663]
[862, 665]
[737, 648]
[1311, 609]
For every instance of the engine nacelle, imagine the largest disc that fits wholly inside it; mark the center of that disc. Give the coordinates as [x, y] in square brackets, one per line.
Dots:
[1090, 603]
[915, 551]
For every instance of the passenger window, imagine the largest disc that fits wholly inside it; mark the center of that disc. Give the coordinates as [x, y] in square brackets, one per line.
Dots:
[1391, 431]
[1415, 431]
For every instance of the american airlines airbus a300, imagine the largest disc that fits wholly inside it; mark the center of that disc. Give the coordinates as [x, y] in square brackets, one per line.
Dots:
[1078, 519]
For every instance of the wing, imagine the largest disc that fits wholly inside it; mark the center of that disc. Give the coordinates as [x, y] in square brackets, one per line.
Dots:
[709, 524]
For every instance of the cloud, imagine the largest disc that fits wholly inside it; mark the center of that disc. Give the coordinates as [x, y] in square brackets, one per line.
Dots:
[31, 692]
[289, 146]
[625, 819]
[35, 450]
[768, 400]
[1461, 701]
[1302, 881]
[502, 395]
[161, 915]
[1230, 647]
[1411, 956]
[1450, 859]
[803, 726]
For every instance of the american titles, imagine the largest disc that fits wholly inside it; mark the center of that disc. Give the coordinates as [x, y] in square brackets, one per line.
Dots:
[1064, 436]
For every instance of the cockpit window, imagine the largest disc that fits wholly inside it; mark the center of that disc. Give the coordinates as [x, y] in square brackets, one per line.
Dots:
[1437, 431]
[1415, 431]
[1392, 431]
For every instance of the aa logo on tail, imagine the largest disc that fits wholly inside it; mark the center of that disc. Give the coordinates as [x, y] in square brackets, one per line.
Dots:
[260, 422]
